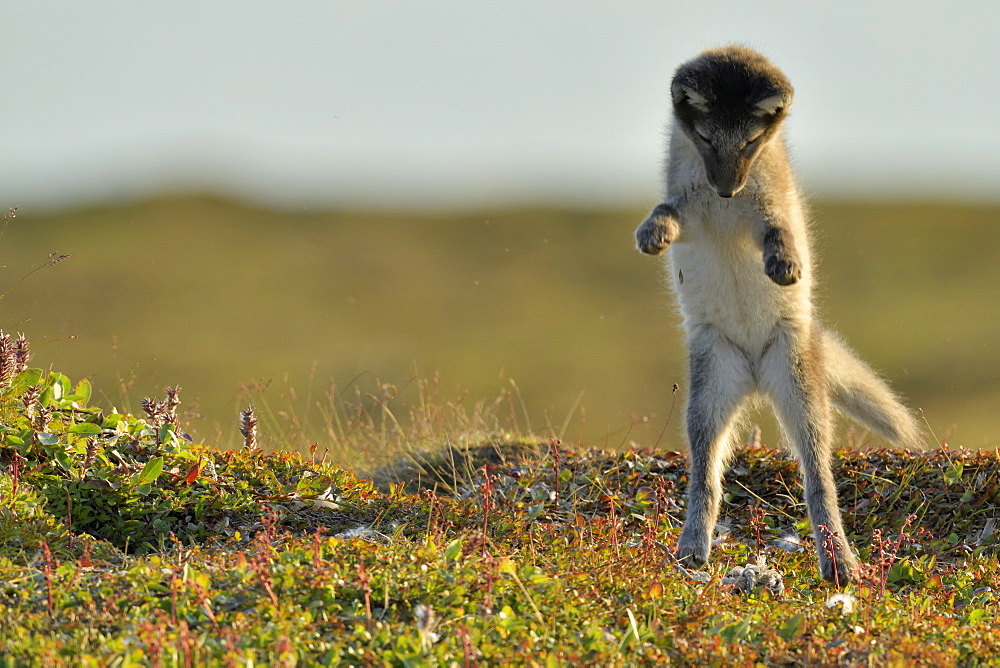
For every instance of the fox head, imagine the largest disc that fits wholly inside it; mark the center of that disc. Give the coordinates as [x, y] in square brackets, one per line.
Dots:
[730, 103]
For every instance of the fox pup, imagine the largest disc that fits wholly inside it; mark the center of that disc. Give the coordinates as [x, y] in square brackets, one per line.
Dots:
[740, 264]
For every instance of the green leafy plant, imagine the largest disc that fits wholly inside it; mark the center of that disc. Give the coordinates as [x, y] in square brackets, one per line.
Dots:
[123, 540]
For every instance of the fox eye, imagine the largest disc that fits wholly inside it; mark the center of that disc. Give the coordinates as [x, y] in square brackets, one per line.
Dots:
[702, 136]
[753, 140]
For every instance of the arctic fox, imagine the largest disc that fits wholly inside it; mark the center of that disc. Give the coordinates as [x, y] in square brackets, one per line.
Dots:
[735, 224]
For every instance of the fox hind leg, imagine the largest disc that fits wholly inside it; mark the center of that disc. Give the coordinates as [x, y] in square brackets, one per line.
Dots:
[720, 380]
[793, 375]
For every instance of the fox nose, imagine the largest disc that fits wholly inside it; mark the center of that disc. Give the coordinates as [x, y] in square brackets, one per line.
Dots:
[725, 193]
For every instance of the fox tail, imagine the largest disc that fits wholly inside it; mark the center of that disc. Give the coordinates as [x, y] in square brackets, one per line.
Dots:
[858, 392]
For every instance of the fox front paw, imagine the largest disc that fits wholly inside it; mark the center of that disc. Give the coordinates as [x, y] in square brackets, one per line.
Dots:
[658, 230]
[783, 269]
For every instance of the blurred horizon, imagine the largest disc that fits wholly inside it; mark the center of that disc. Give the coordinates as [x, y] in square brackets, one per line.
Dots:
[444, 105]
[235, 303]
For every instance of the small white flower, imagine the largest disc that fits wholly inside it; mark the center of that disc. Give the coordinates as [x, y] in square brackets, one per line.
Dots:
[846, 602]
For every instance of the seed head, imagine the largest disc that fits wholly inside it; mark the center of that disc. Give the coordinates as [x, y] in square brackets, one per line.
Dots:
[153, 409]
[29, 399]
[170, 404]
[41, 421]
[22, 353]
[8, 359]
[91, 453]
[248, 427]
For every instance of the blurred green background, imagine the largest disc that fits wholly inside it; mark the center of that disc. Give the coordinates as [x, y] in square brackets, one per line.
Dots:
[235, 303]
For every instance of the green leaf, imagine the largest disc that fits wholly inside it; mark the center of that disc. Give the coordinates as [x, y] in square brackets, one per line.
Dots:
[536, 576]
[85, 429]
[540, 493]
[30, 376]
[430, 547]
[507, 566]
[453, 551]
[735, 632]
[305, 483]
[792, 627]
[953, 474]
[903, 573]
[166, 435]
[974, 616]
[46, 398]
[111, 421]
[60, 385]
[45, 438]
[83, 392]
[25, 379]
[150, 472]
[64, 460]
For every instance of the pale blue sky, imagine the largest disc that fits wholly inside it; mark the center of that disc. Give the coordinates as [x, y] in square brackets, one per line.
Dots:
[450, 103]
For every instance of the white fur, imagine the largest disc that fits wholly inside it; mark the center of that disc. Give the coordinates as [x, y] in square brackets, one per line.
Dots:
[724, 283]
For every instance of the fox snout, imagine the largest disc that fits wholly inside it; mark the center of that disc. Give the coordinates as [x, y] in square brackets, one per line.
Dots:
[726, 177]
[726, 192]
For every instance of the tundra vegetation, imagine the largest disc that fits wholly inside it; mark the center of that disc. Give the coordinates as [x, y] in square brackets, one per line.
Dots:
[122, 542]
[463, 539]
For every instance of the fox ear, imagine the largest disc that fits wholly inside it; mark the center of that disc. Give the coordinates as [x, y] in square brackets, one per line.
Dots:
[771, 105]
[683, 94]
